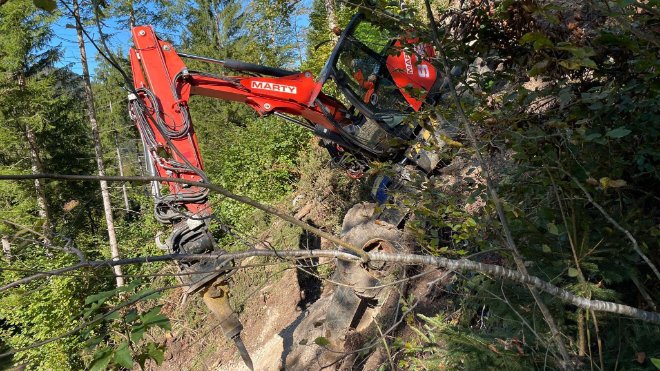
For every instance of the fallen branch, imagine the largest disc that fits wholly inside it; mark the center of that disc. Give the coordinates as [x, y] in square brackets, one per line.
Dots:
[460, 265]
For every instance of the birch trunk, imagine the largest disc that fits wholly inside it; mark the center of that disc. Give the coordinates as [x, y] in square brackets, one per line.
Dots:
[120, 164]
[6, 247]
[91, 112]
[331, 16]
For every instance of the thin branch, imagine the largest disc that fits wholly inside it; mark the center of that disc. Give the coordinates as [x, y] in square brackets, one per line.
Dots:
[387, 348]
[68, 247]
[210, 186]
[614, 223]
[409, 259]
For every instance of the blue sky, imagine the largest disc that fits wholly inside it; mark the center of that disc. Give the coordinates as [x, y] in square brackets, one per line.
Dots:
[119, 38]
[67, 39]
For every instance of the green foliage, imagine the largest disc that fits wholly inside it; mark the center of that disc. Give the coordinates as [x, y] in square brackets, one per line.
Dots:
[37, 312]
[257, 160]
[117, 339]
[589, 118]
[467, 349]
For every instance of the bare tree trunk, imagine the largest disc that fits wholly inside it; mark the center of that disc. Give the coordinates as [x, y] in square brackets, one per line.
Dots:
[131, 14]
[331, 15]
[42, 202]
[215, 27]
[120, 165]
[6, 247]
[89, 98]
[138, 151]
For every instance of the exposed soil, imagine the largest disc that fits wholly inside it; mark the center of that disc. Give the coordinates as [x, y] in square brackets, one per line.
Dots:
[270, 318]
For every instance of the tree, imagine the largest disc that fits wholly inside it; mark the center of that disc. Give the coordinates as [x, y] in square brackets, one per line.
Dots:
[91, 112]
[41, 132]
[25, 55]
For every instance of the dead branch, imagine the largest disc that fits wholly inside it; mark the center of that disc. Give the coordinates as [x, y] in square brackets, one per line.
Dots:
[459, 265]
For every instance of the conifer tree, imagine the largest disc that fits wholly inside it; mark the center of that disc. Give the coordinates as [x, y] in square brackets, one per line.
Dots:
[25, 54]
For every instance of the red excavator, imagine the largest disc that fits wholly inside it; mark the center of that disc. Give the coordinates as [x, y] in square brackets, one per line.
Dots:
[382, 78]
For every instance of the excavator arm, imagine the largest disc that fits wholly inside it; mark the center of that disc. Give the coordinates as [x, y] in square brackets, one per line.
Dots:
[163, 87]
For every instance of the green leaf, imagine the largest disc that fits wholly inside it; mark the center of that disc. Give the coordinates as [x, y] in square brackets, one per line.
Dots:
[151, 314]
[538, 39]
[131, 316]
[546, 249]
[592, 137]
[619, 132]
[137, 333]
[112, 316]
[321, 341]
[578, 52]
[572, 272]
[538, 68]
[656, 362]
[570, 64]
[552, 228]
[565, 97]
[90, 344]
[47, 5]
[579, 61]
[155, 318]
[588, 62]
[100, 297]
[143, 295]
[156, 353]
[122, 356]
[91, 309]
[101, 359]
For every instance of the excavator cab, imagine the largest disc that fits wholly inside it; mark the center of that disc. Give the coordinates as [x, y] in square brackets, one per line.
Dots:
[383, 77]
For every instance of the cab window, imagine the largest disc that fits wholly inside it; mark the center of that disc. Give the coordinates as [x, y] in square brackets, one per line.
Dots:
[366, 73]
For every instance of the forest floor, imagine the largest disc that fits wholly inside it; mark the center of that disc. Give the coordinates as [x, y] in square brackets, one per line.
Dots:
[270, 316]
